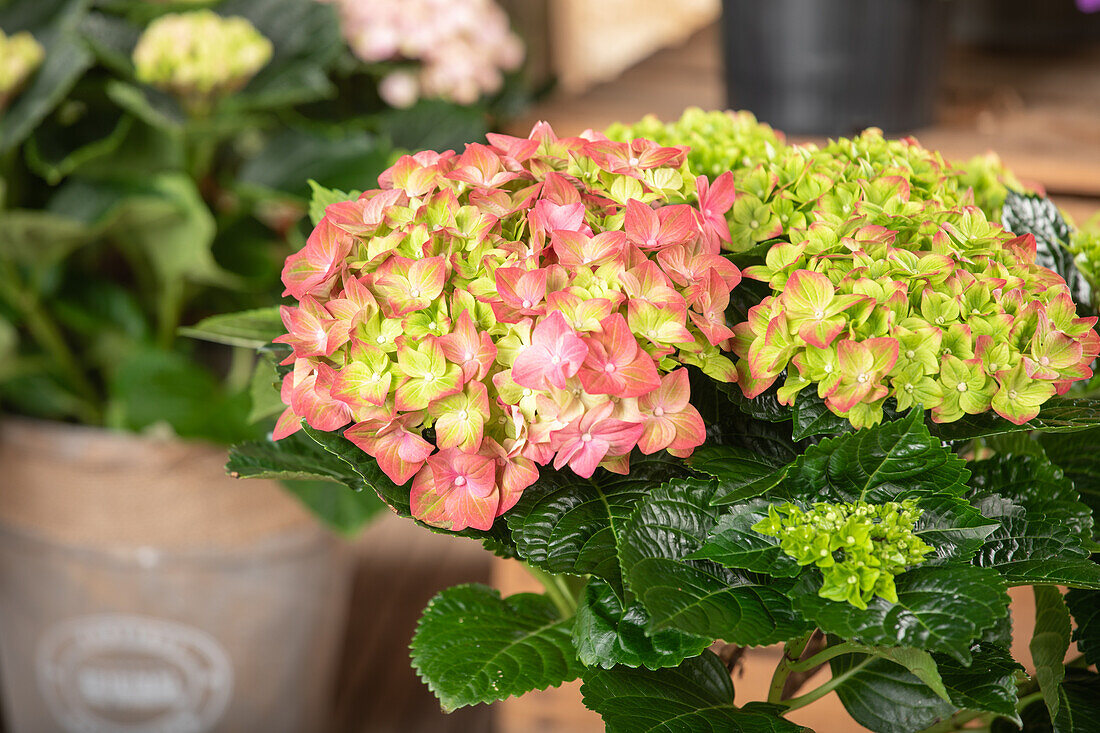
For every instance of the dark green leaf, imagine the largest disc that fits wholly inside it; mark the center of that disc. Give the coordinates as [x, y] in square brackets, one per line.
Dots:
[812, 417]
[939, 609]
[765, 406]
[741, 474]
[306, 40]
[954, 528]
[264, 389]
[988, 684]
[885, 697]
[251, 329]
[606, 633]
[888, 462]
[53, 23]
[343, 510]
[473, 646]
[1049, 644]
[1078, 457]
[433, 124]
[698, 596]
[1030, 213]
[333, 157]
[882, 695]
[734, 544]
[295, 457]
[697, 696]
[1085, 607]
[1043, 526]
[566, 524]
[1079, 708]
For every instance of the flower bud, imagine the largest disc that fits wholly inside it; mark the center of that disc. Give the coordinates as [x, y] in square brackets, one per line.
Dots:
[20, 56]
[199, 55]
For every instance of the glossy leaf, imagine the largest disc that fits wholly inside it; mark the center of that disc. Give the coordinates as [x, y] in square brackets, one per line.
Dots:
[566, 524]
[1085, 607]
[741, 474]
[1042, 526]
[939, 609]
[473, 646]
[1078, 710]
[884, 696]
[698, 596]
[607, 633]
[697, 696]
[888, 462]
[1079, 459]
[734, 544]
[1049, 644]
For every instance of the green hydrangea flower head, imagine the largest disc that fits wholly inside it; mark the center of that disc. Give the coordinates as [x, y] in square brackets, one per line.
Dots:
[199, 56]
[20, 56]
[858, 547]
[890, 277]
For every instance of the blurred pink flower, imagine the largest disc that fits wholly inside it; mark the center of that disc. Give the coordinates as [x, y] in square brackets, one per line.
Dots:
[462, 46]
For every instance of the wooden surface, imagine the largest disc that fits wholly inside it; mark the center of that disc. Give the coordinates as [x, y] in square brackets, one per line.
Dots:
[1039, 112]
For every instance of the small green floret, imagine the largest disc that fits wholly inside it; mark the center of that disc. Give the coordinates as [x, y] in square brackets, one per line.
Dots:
[859, 547]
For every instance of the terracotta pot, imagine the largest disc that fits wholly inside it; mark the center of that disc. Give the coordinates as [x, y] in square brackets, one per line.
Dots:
[141, 589]
[561, 710]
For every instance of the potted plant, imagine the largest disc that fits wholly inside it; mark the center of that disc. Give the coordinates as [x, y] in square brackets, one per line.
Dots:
[154, 160]
[835, 67]
[817, 399]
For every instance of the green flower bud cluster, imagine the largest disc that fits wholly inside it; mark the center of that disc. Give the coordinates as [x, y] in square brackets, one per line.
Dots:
[199, 55]
[887, 280]
[859, 547]
[20, 56]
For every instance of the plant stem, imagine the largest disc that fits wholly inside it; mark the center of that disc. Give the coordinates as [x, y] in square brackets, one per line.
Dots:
[819, 692]
[557, 590]
[1026, 700]
[49, 337]
[955, 722]
[792, 650]
[823, 656]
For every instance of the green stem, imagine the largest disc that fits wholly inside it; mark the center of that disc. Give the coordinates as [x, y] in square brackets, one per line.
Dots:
[792, 650]
[956, 722]
[48, 335]
[557, 590]
[169, 310]
[1026, 700]
[241, 363]
[819, 692]
[823, 656]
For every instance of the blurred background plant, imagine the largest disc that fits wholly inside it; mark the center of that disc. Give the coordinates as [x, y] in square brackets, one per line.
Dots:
[154, 160]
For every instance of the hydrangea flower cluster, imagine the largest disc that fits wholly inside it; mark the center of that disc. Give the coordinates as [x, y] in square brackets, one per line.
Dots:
[859, 547]
[531, 301]
[460, 47]
[199, 55]
[888, 281]
[20, 56]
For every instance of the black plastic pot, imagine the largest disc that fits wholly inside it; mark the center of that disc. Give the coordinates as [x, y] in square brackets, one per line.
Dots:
[834, 67]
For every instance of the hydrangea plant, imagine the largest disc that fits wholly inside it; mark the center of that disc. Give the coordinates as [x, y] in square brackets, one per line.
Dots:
[543, 343]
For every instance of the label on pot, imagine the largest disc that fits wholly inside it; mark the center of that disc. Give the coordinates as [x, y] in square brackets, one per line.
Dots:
[115, 673]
